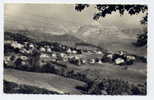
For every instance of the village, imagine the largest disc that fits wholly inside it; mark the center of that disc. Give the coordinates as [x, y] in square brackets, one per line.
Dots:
[39, 54]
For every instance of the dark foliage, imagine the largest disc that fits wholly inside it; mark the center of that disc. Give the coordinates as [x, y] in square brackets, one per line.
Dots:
[104, 10]
[10, 87]
[141, 40]
[80, 7]
[17, 37]
[141, 59]
[8, 48]
[145, 20]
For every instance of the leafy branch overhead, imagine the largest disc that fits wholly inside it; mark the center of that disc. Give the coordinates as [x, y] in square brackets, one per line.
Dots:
[104, 10]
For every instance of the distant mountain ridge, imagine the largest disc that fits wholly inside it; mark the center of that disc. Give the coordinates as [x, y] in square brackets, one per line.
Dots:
[66, 39]
[111, 37]
[107, 37]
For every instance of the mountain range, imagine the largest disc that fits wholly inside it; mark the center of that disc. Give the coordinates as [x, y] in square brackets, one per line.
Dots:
[52, 29]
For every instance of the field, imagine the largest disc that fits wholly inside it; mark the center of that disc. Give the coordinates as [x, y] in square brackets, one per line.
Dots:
[50, 82]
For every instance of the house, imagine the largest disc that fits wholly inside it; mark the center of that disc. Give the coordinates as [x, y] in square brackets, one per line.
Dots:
[109, 57]
[49, 50]
[122, 53]
[130, 59]
[7, 41]
[91, 61]
[42, 49]
[25, 51]
[16, 45]
[54, 55]
[69, 51]
[99, 52]
[75, 60]
[119, 61]
[62, 55]
[74, 52]
[25, 43]
[70, 57]
[23, 63]
[78, 62]
[43, 55]
[65, 58]
[31, 46]
[23, 57]
[7, 59]
[83, 61]
[99, 61]
[10, 60]
[19, 46]
[44, 59]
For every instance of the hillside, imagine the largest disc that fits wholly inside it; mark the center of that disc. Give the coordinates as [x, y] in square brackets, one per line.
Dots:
[50, 81]
[111, 37]
[66, 39]
[91, 75]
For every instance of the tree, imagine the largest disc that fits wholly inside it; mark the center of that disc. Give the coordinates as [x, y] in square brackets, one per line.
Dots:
[103, 10]
[142, 38]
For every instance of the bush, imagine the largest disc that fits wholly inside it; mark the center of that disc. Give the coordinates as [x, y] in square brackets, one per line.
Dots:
[141, 40]
[117, 87]
[10, 87]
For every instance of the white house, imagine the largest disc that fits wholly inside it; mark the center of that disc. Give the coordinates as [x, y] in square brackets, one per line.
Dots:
[119, 61]
[74, 52]
[121, 53]
[25, 51]
[62, 55]
[70, 56]
[43, 55]
[130, 58]
[99, 52]
[42, 49]
[83, 61]
[76, 57]
[99, 61]
[49, 50]
[53, 55]
[15, 44]
[7, 41]
[110, 56]
[24, 57]
[92, 61]
[25, 43]
[69, 51]
[31, 46]
[7, 59]
[23, 63]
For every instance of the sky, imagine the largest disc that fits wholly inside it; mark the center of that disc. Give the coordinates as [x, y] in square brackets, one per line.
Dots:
[33, 15]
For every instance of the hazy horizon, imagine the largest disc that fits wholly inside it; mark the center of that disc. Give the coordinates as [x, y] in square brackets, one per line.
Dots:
[48, 16]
